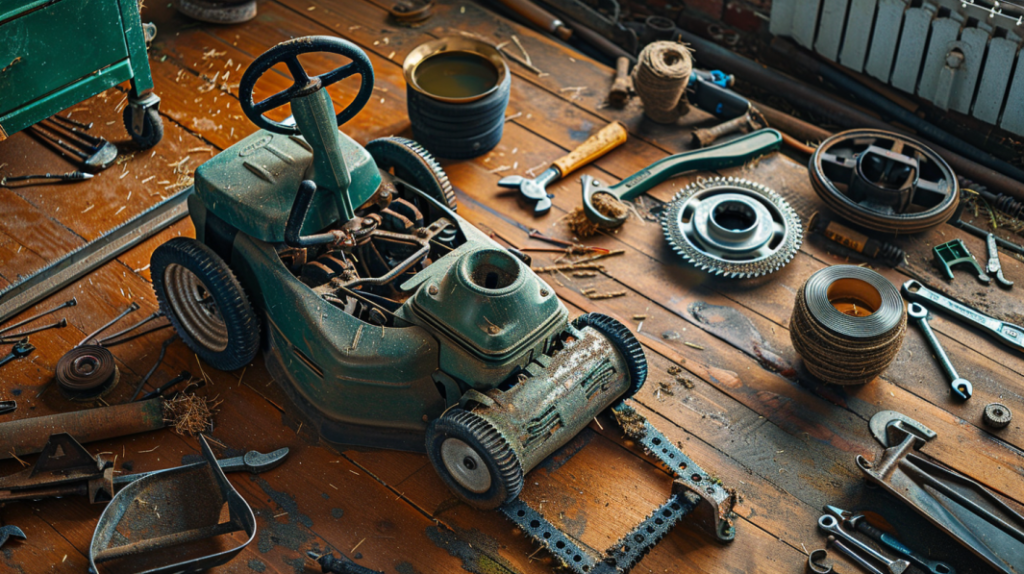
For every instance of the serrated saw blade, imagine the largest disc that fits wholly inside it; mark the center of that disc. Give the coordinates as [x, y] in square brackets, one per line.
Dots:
[732, 227]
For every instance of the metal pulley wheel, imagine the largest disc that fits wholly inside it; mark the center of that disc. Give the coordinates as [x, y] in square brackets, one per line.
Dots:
[86, 373]
[884, 181]
[732, 227]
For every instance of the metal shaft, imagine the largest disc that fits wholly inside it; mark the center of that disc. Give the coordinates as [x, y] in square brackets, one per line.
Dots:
[940, 353]
[131, 308]
[854, 556]
[57, 325]
[70, 303]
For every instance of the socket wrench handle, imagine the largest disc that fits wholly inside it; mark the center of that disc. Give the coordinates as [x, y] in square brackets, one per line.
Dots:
[1006, 333]
[892, 543]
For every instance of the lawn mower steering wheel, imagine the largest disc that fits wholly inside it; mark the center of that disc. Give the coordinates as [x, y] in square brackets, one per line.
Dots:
[304, 84]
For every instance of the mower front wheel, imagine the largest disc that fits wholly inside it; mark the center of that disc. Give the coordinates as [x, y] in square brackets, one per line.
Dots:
[205, 302]
[474, 460]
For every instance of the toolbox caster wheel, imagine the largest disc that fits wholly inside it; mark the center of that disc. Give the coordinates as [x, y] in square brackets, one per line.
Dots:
[205, 302]
[152, 128]
[474, 460]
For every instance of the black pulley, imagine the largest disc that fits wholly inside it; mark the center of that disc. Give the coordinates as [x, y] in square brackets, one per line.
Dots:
[884, 181]
[86, 373]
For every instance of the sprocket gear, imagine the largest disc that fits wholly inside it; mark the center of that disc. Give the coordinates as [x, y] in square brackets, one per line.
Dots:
[414, 164]
[732, 227]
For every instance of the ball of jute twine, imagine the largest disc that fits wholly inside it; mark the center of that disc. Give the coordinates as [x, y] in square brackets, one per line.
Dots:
[660, 77]
[840, 355]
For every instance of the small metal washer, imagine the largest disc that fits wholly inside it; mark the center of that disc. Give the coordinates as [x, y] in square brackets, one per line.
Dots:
[996, 416]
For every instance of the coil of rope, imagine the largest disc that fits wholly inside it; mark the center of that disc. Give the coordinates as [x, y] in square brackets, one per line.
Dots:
[848, 324]
[660, 77]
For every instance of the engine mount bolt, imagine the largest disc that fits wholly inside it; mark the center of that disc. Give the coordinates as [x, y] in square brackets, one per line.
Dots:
[432, 289]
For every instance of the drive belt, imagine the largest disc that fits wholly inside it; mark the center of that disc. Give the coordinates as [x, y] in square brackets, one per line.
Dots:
[693, 492]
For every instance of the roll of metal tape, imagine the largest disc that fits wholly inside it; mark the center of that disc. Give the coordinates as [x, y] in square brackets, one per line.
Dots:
[848, 324]
[86, 373]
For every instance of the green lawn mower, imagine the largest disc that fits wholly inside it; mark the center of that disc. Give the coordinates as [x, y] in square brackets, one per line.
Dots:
[390, 321]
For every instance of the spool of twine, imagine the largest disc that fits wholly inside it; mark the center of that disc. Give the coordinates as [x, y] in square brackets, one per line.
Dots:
[848, 324]
[660, 77]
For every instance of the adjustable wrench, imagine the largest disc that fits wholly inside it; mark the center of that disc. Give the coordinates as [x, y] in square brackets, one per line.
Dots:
[729, 154]
[830, 524]
[859, 523]
[608, 138]
[1006, 333]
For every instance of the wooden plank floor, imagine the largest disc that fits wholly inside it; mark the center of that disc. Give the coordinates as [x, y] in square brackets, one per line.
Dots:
[786, 443]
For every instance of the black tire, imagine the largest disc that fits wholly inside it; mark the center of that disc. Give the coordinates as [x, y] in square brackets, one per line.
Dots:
[491, 449]
[414, 164]
[152, 127]
[623, 340]
[221, 327]
[459, 131]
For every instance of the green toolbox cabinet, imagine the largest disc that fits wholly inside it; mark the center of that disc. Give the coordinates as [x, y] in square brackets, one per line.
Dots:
[57, 53]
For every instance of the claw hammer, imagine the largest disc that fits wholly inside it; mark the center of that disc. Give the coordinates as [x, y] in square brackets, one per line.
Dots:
[608, 138]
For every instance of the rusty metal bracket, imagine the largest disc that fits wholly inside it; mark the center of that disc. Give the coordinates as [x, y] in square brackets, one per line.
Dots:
[146, 528]
[959, 506]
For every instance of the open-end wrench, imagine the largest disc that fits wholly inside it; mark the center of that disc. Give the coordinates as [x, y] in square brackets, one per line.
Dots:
[1006, 333]
[832, 541]
[960, 386]
[859, 523]
[252, 461]
[605, 140]
[830, 524]
[21, 349]
[994, 266]
[730, 154]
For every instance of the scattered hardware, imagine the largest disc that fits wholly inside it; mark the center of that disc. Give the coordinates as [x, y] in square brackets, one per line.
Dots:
[693, 491]
[329, 564]
[182, 377]
[116, 338]
[191, 500]
[732, 228]
[65, 468]
[860, 523]
[89, 372]
[703, 137]
[13, 337]
[848, 324]
[733, 153]
[218, 11]
[29, 435]
[622, 86]
[830, 524]
[960, 387]
[884, 181]
[20, 349]
[411, 13]
[857, 241]
[884, 423]
[93, 157]
[70, 176]
[954, 253]
[392, 253]
[818, 562]
[996, 415]
[6, 532]
[21, 295]
[70, 303]
[966, 510]
[660, 77]
[603, 141]
[1006, 333]
[96, 49]
[457, 90]
[994, 266]
[539, 17]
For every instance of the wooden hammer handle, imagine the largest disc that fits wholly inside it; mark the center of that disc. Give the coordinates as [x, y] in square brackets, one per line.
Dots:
[610, 137]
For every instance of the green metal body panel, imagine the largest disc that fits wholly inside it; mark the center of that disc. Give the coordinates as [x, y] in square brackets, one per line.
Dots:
[252, 184]
[57, 54]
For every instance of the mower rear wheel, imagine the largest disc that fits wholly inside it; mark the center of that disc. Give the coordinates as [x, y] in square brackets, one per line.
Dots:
[205, 302]
[413, 163]
[474, 460]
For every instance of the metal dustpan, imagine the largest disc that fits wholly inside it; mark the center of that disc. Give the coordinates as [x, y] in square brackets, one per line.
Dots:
[173, 521]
